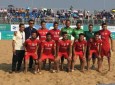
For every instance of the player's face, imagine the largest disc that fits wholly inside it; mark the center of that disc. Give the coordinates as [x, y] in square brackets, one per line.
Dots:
[68, 24]
[96, 37]
[22, 28]
[79, 25]
[31, 24]
[81, 38]
[43, 25]
[65, 36]
[104, 27]
[48, 37]
[56, 26]
[34, 35]
[90, 28]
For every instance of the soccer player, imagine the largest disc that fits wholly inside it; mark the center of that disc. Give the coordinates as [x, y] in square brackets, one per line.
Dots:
[31, 46]
[77, 31]
[79, 50]
[48, 50]
[64, 49]
[106, 36]
[90, 34]
[42, 37]
[94, 48]
[55, 33]
[69, 31]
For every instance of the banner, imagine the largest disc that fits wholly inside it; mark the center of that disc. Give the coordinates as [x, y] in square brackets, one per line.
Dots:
[7, 35]
[0, 35]
[5, 27]
[113, 35]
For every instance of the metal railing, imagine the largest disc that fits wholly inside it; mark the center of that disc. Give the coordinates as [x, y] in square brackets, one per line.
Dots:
[51, 20]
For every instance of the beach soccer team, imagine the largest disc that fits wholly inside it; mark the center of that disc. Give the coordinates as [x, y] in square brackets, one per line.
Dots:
[54, 46]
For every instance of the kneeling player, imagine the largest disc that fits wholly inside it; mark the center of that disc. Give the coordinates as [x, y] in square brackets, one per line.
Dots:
[47, 50]
[64, 49]
[79, 50]
[94, 48]
[31, 46]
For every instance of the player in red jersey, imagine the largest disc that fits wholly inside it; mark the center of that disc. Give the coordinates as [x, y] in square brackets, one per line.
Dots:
[31, 46]
[55, 33]
[106, 36]
[42, 36]
[64, 49]
[48, 50]
[94, 48]
[79, 50]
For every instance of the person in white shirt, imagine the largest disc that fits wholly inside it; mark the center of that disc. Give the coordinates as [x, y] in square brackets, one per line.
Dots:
[18, 48]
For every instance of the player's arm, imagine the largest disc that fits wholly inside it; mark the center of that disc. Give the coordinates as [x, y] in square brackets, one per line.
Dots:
[42, 48]
[70, 50]
[13, 42]
[57, 49]
[73, 48]
[111, 41]
[84, 50]
[99, 48]
[54, 49]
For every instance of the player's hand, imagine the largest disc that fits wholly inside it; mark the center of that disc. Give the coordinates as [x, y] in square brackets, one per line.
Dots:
[112, 49]
[14, 51]
[69, 57]
[25, 53]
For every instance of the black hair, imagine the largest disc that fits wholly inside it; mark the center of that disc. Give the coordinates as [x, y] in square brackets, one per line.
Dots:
[104, 24]
[63, 33]
[68, 20]
[34, 32]
[42, 22]
[96, 33]
[55, 23]
[48, 34]
[90, 25]
[31, 20]
[78, 23]
[21, 24]
[81, 34]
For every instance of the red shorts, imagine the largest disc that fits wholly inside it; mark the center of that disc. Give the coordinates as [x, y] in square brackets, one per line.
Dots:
[93, 52]
[105, 52]
[65, 54]
[45, 56]
[33, 55]
[80, 54]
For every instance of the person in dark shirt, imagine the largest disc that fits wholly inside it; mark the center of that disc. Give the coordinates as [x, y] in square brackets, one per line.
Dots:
[28, 32]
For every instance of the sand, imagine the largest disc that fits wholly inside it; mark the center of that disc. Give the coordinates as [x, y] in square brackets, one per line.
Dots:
[46, 78]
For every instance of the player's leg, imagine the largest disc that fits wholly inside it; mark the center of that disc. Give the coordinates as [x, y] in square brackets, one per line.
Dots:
[21, 56]
[14, 61]
[30, 63]
[83, 62]
[109, 60]
[57, 63]
[27, 56]
[99, 63]
[74, 58]
[93, 61]
[89, 58]
[62, 61]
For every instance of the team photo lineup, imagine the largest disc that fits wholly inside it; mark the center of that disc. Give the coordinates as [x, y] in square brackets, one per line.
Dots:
[33, 49]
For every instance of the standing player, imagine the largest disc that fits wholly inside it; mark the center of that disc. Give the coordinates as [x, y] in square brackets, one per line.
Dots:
[64, 49]
[55, 33]
[31, 46]
[77, 31]
[79, 50]
[48, 50]
[42, 36]
[90, 34]
[94, 48]
[69, 31]
[105, 36]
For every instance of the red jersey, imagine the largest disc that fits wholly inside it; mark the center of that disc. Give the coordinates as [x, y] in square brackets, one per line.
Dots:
[31, 45]
[105, 35]
[64, 45]
[79, 45]
[42, 34]
[55, 34]
[94, 44]
[48, 47]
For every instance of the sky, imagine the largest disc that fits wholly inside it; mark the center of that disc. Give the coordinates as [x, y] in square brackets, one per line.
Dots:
[77, 4]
